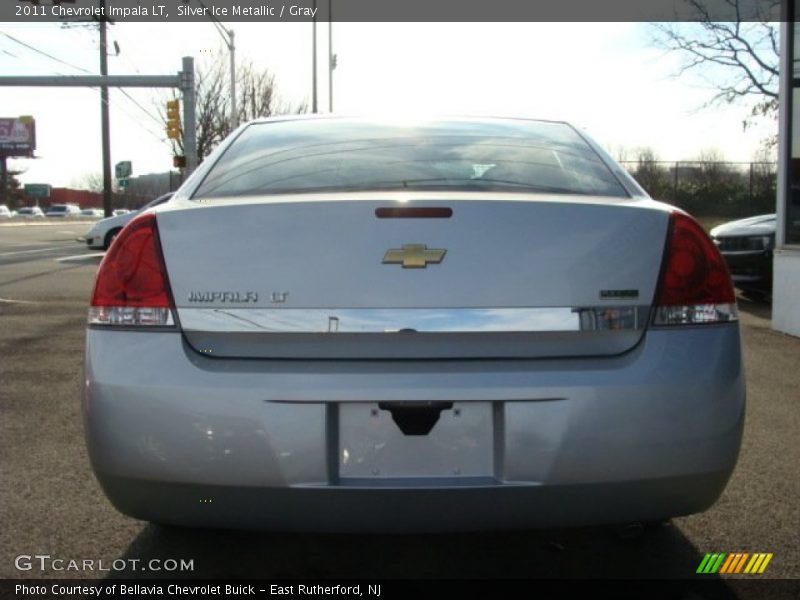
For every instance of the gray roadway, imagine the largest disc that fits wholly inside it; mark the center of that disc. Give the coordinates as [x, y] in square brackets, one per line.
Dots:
[51, 504]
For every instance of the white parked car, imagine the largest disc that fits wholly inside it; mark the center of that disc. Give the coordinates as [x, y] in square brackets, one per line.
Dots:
[95, 213]
[30, 212]
[5, 212]
[120, 211]
[102, 233]
[63, 210]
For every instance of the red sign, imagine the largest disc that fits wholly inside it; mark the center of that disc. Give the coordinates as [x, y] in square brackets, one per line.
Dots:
[17, 136]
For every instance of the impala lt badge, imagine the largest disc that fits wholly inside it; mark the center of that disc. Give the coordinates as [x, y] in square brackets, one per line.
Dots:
[232, 297]
[413, 256]
[278, 297]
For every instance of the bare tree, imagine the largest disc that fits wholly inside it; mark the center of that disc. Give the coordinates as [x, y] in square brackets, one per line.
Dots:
[257, 93]
[740, 58]
[619, 152]
[712, 171]
[651, 175]
[92, 182]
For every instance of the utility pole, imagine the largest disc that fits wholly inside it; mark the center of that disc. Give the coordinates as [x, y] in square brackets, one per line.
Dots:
[3, 180]
[189, 125]
[232, 48]
[331, 56]
[229, 38]
[104, 114]
[314, 59]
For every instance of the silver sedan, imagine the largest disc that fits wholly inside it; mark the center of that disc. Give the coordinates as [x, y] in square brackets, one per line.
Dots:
[347, 324]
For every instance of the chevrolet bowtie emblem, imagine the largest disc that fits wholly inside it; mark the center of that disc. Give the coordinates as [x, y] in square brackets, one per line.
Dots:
[413, 256]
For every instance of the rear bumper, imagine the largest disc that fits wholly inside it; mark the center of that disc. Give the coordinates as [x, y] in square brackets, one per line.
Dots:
[407, 510]
[180, 438]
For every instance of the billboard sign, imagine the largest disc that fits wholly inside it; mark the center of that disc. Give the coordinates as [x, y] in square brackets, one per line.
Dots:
[17, 136]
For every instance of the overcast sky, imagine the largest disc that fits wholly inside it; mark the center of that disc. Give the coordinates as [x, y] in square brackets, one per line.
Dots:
[604, 77]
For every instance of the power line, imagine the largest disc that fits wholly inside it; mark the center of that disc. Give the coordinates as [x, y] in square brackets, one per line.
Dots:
[142, 108]
[124, 92]
[127, 95]
[42, 52]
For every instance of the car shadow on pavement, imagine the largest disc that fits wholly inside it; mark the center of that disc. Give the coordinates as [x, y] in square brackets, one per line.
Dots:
[660, 551]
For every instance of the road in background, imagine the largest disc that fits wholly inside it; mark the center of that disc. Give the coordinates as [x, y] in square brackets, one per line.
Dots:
[32, 256]
[51, 503]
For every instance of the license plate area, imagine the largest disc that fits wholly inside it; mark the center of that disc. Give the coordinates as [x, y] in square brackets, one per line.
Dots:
[371, 443]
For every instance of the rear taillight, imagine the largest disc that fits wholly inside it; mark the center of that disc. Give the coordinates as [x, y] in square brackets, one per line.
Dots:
[132, 288]
[695, 286]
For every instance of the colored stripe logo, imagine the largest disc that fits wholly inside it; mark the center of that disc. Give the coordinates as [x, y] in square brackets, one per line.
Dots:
[734, 563]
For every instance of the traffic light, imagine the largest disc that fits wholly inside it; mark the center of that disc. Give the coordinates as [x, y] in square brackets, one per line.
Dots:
[179, 162]
[173, 120]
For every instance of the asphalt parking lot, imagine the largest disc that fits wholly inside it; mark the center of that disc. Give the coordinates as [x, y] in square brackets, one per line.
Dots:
[51, 504]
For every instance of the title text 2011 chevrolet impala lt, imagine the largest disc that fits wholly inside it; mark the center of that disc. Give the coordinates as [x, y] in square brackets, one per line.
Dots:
[451, 324]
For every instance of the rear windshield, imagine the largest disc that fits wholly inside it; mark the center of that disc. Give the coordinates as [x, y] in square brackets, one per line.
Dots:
[58, 208]
[339, 155]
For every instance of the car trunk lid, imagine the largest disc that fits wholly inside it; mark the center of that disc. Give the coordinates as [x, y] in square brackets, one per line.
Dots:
[356, 278]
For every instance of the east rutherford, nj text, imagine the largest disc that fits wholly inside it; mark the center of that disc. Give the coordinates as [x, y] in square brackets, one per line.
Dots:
[322, 590]
[246, 11]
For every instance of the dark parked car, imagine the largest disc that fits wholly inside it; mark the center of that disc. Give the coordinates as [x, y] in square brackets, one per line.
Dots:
[747, 246]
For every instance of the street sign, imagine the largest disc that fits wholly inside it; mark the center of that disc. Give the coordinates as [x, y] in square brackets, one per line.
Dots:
[123, 183]
[123, 170]
[37, 190]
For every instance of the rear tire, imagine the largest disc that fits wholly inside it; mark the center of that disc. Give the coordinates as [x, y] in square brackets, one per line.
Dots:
[110, 237]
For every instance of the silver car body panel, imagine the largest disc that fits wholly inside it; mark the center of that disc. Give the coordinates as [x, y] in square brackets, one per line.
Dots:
[321, 256]
[327, 252]
[504, 408]
[643, 435]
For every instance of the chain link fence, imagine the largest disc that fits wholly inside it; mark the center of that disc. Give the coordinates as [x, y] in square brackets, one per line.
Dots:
[710, 189]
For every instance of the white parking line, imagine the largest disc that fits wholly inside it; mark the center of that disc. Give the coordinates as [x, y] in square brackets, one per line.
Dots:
[77, 257]
[39, 223]
[10, 301]
[48, 249]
